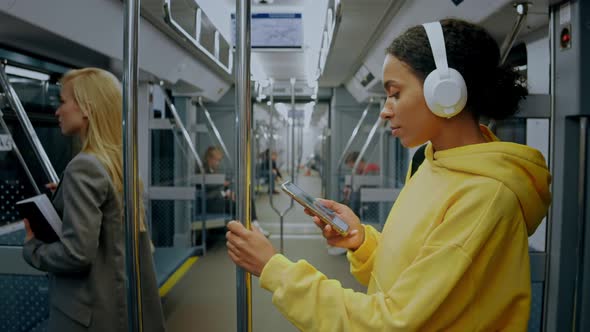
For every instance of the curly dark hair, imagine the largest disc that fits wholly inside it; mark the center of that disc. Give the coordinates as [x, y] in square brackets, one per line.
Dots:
[493, 91]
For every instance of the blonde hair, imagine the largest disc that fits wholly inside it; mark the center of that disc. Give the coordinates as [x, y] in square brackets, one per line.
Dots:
[211, 151]
[98, 95]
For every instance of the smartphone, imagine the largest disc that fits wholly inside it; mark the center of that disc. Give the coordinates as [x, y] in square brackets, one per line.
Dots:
[326, 215]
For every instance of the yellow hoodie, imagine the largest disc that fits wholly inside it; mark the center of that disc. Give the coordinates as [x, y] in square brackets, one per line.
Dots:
[453, 254]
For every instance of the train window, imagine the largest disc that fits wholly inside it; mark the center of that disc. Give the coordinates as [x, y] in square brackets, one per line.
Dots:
[26, 73]
[39, 96]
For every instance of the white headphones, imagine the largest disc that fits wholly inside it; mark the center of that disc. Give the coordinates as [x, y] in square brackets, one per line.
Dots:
[444, 88]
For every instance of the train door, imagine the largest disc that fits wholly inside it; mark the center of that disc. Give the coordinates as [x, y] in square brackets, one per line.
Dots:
[567, 284]
[32, 152]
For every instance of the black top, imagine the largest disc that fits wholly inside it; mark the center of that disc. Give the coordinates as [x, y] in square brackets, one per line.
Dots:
[418, 159]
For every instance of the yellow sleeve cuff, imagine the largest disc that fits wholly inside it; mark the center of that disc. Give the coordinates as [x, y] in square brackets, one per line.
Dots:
[271, 276]
[364, 252]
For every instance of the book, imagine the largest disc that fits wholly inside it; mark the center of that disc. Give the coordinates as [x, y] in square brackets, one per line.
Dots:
[44, 220]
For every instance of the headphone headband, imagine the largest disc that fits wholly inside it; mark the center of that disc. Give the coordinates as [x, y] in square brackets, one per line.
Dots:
[445, 91]
[436, 38]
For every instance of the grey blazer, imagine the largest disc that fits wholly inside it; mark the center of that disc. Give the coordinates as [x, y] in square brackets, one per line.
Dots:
[87, 267]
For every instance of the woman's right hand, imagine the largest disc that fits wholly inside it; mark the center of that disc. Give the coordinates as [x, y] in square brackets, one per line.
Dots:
[52, 186]
[29, 231]
[356, 233]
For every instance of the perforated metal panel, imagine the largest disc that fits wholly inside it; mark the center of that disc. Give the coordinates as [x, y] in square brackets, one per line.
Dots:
[375, 213]
[370, 213]
[11, 191]
[41, 327]
[24, 302]
[162, 223]
[170, 219]
[535, 321]
[162, 157]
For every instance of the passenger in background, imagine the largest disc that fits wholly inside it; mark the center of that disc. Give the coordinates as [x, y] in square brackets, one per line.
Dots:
[349, 197]
[220, 198]
[275, 173]
[453, 254]
[313, 163]
[363, 168]
[87, 286]
[352, 197]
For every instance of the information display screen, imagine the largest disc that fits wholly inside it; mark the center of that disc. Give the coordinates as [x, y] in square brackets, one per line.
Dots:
[274, 30]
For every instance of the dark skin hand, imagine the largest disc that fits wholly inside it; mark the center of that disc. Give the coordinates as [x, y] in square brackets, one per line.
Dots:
[356, 234]
[251, 250]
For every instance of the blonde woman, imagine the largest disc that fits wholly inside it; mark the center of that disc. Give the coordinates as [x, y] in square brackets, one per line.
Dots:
[87, 267]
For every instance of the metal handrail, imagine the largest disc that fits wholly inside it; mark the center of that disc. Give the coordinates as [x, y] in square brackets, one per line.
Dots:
[281, 214]
[19, 156]
[131, 192]
[355, 132]
[216, 131]
[293, 176]
[522, 10]
[178, 123]
[196, 42]
[364, 149]
[300, 148]
[383, 152]
[325, 160]
[244, 159]
[581, 245]
[551, 162]
[28, 129]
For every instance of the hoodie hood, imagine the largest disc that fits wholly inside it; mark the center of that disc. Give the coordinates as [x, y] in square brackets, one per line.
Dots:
[521, 168]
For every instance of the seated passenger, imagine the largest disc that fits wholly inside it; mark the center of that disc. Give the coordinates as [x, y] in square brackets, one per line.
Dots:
[363, 168]
[453, 254]
[87, 286]
[220, 198]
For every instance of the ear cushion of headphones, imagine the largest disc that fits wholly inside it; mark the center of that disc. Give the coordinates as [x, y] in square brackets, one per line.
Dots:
[445, 97]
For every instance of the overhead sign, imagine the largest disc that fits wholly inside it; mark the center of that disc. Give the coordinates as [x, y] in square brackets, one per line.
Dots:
[5, 143]
[274, 30]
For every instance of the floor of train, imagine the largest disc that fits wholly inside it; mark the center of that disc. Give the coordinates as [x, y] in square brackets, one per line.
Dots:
[205, 299]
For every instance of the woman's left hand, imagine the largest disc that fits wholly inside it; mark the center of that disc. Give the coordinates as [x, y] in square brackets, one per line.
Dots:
[30, 233]
[250, 250]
